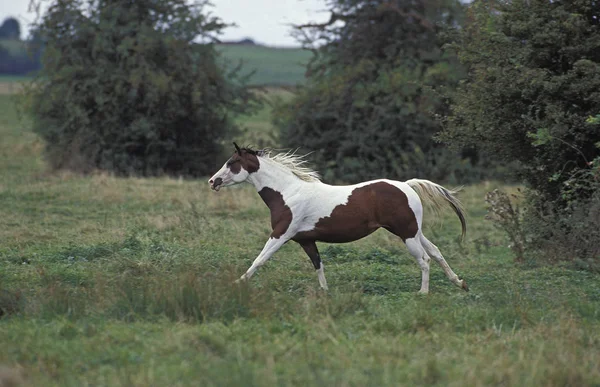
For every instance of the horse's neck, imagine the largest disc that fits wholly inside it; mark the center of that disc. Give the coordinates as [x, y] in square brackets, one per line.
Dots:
[274, 177]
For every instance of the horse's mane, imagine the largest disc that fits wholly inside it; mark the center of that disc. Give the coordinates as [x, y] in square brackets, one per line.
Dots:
[289, 160]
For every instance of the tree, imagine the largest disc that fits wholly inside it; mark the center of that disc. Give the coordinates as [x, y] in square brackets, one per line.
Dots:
[10, 29]
[134, 87]
[531, 96]
[373, 90]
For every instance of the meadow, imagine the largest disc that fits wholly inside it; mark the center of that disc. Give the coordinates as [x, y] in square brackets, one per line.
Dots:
[270, 66]
[14, 47]
[129, 282]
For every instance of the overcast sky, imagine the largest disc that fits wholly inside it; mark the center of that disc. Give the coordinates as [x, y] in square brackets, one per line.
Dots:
[266, 21]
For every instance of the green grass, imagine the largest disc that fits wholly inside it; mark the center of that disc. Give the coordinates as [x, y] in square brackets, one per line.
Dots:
[14, 47]
[13, 78]
[272, 66]
[110, 281]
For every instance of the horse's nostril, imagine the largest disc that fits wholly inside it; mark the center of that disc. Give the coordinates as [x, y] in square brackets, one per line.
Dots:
[210, 181]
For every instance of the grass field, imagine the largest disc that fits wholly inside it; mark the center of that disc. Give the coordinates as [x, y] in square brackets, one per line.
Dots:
[14, 47]
[272, 66]
[13, 78]
[128, 282]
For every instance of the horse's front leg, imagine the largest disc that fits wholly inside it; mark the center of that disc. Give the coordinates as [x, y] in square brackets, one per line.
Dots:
[272, 245]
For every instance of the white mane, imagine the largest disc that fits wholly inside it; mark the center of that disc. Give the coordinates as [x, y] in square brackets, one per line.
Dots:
[294, 163]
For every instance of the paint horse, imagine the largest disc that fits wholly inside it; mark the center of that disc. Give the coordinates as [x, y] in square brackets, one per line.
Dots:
[306, 210]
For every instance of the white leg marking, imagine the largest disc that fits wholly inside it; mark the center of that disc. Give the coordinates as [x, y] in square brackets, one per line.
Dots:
[270, 248]
[416, 250]
[322, 280]
[439, 258]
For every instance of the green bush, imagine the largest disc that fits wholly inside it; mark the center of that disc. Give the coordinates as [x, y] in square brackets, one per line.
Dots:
[374, 89]
[532, 97]
[125, 87]
[508, 217]
[570, 233]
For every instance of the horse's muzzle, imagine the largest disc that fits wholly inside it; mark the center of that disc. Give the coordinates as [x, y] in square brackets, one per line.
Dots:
[216, 185]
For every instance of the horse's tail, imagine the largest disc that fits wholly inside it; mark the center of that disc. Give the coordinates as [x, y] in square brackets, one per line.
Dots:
[436, 196]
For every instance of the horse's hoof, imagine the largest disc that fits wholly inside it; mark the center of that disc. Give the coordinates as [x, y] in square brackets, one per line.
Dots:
[465, 286]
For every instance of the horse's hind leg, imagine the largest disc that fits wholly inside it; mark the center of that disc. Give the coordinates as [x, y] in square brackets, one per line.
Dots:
[310, 247]
[417, 250]
[435, 253]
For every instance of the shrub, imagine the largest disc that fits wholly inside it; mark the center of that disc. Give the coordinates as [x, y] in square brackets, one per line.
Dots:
[374, 87]
[508, 217]
[532, 97]
[570, 233]
[126, 87]
[532, 87]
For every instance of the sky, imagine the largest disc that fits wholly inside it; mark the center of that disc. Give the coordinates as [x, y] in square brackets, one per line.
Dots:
[265, 21]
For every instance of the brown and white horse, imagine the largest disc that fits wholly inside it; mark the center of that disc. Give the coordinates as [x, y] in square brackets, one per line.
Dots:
[305, 210]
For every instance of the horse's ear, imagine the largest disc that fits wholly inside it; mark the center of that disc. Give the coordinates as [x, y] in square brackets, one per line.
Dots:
[237, 148]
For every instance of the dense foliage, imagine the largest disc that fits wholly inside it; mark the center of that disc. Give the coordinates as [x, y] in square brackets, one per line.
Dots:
[125, 87]
[533, 95]
[373, 90]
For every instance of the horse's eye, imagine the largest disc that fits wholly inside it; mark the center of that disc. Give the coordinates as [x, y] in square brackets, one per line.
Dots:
[231, 162]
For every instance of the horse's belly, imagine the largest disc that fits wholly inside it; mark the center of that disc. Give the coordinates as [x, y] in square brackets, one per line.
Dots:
[342, 238]
[340, 234]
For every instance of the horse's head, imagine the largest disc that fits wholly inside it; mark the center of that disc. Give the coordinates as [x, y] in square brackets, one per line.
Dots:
[236, 170]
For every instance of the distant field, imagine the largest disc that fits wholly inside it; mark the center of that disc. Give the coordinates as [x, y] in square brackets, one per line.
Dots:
[13, 78]
[274, 66]
[257, 129]
[15, 47]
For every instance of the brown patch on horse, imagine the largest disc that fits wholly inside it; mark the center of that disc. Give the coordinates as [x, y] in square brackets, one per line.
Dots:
[244, 158]
[310, 248]
[250, 162]
[281, 215]
[235, 166]
[368, 208]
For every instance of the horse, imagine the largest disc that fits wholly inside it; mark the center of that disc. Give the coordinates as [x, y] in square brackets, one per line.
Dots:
[306, 210]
